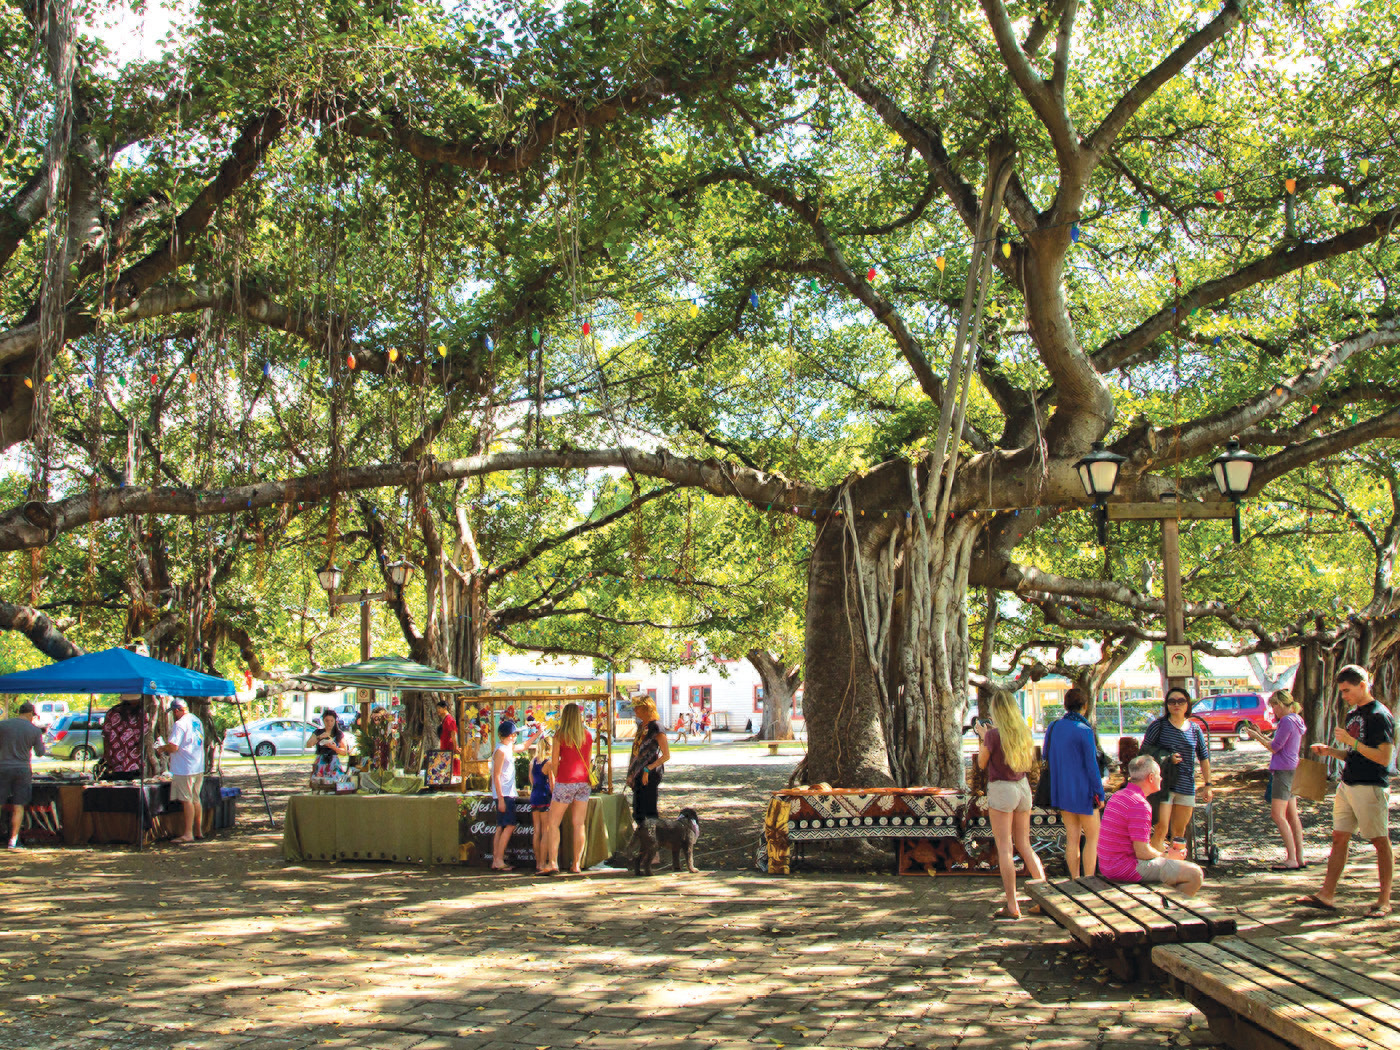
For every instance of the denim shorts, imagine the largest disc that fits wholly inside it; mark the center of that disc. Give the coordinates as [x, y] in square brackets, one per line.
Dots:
[506, 818]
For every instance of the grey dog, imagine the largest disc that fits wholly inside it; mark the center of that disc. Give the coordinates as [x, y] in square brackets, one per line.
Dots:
[680, 835]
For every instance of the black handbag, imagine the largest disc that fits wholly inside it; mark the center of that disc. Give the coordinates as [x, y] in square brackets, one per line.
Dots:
[1101, 757]
[1041, 798]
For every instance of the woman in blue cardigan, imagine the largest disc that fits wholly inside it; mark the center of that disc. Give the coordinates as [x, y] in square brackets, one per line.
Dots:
[1076, 786]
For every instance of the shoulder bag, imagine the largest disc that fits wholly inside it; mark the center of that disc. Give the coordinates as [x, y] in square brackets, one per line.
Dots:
[1041, 798]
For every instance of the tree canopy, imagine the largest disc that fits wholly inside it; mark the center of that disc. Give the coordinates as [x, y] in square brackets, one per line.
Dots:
[355, 278]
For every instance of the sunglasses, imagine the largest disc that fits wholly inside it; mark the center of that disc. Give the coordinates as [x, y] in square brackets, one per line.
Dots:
[1177, 700]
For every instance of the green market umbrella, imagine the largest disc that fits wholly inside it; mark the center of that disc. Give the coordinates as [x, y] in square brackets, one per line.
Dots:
[389, 672]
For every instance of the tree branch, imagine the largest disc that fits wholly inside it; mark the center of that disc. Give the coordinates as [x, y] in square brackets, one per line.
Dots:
[1102, 137]
[19, 530]
[1123, 349]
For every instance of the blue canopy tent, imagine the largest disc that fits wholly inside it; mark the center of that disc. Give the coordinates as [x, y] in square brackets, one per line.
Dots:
[123, 671]
[115, 671]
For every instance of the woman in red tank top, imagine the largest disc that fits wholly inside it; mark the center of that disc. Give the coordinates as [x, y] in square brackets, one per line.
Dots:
[571, 761]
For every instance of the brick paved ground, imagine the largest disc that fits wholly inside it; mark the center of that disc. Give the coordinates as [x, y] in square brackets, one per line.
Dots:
[224, 945]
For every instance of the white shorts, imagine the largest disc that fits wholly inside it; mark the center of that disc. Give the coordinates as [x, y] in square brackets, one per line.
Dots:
[1009, 796]
[186, 788]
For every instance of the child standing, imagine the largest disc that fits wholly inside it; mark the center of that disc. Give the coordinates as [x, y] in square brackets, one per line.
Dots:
[503, 791]
[541, 792]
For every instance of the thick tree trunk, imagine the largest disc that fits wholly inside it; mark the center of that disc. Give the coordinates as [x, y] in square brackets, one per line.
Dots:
[887, 648]
[779, 684]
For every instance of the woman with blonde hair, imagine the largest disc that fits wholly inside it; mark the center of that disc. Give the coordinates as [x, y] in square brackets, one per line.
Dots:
[1006, 752]
[569, 761]
[1285, 745]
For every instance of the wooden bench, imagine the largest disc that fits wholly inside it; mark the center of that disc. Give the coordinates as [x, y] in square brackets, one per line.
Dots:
[1122, 922]
[1282, 992]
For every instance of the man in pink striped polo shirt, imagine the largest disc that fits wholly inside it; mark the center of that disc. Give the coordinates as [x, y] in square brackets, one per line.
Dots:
[1125, 850]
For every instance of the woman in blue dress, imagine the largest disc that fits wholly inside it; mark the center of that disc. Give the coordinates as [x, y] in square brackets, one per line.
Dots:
[1076, 786]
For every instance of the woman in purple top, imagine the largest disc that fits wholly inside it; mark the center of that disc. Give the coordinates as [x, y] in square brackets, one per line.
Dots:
[1285, 744]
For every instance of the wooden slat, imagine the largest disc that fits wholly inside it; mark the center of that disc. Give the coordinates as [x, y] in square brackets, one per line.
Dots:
[1207, 968]
[1127, 930]
[1161, 928]
[1326, 951]
[1217, 924]
[1376, 1000]
[1343, 1006]
[1073, 916]
[1193, 923]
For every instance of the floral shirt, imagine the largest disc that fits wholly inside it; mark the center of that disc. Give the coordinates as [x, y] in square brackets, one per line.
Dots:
[121, 738]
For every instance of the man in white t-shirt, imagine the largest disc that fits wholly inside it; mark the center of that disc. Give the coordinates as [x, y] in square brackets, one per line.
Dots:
[186, 750]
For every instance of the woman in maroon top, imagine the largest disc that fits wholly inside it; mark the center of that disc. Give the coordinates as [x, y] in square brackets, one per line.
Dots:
[570, 762]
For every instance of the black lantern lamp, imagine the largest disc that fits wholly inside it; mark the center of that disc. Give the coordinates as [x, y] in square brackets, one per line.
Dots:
[400, 572]
[1234, 470]
[330, 578]
[1098, 473]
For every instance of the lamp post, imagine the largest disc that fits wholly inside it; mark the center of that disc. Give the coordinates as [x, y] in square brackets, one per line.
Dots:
[1233, 470]
[1098, 473]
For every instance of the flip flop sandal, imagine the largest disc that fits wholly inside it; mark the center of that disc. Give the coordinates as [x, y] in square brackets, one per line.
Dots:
[1375, 911]
[1002, 913]
[1312, 900]
[1285, 867]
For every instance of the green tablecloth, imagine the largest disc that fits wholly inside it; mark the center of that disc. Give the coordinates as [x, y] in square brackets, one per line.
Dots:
[425, 829]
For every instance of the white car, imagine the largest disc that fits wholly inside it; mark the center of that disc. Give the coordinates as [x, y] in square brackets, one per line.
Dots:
[271, 736]
[48, 712]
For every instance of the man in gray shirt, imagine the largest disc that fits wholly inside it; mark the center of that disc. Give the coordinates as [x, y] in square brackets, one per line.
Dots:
[19, 736]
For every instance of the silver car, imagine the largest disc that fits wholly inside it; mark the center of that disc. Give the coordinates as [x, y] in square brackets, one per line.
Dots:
[271, 736]
[76, 736]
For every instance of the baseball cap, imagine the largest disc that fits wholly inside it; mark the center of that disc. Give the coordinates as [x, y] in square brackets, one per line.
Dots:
[178, 701]
[506, 728]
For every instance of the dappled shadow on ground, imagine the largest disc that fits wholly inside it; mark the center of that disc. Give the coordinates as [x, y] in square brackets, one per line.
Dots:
[225, 945]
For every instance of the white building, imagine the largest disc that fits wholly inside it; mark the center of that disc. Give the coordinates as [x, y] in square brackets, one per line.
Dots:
[730, 689]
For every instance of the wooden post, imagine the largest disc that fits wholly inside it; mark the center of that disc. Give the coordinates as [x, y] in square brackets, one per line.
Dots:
[1171, 567]
[612, 735]
[461, 707]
